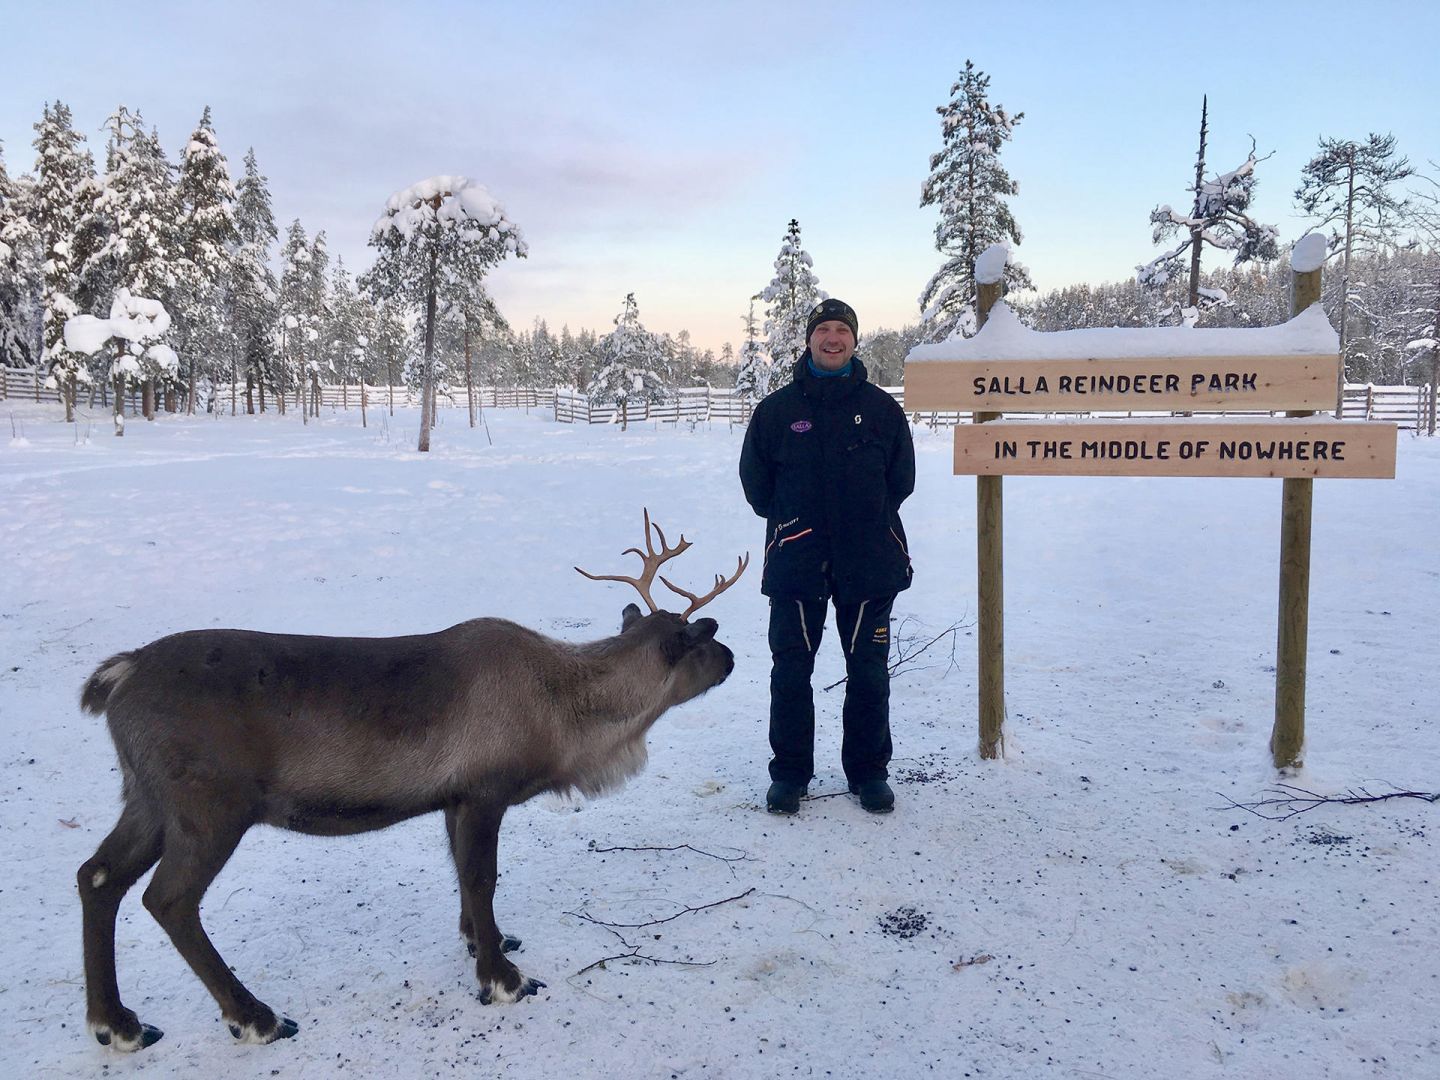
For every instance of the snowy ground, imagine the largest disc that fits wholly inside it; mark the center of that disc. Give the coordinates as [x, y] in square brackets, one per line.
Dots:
[1086, 907]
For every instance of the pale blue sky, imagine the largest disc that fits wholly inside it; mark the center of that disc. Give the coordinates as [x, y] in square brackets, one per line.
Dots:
[661, 148]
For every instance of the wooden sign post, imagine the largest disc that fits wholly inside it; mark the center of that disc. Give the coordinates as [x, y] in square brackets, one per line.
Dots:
[1291, 368]
[1292, 636]
[990, 575]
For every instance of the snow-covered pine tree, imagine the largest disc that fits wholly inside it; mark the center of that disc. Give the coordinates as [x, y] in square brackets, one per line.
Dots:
[885, 351]
[254, 300]
[789, 298]
[94, 252]
[1347, 186]
[465, 302]
[752, 379]
[389, 345]
[536, 358]
[578, 358]
[441, 231]
[545, 349]
[136, 330]
[21, 277]
[207, 237]
[1218, 217]
[1424, 322]
[140, 253]
[970, 187]
[631, 364]
[344, 353]
[293, 305]
[320, 322]
[61, 166]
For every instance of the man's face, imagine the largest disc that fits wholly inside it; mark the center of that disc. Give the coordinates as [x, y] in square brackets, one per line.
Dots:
[832, 344]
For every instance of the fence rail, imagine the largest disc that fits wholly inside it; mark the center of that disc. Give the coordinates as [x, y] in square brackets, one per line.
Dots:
[1409, 407]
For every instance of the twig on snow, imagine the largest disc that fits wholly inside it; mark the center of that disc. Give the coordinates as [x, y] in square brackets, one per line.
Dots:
[636, 954]
[742, 857]
[1290, 801]
[656, 922]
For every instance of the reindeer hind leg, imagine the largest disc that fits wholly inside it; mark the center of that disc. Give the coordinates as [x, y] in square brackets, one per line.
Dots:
[122, 858]
[194, 854]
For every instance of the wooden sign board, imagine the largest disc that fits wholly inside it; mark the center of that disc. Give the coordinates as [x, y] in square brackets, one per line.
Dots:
[1129, 384]
[1275, 448]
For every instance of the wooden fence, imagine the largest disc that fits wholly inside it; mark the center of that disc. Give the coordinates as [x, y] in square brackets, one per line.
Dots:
[1409, 407]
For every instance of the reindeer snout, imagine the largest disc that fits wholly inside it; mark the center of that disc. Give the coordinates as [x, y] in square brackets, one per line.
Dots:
[729, 663]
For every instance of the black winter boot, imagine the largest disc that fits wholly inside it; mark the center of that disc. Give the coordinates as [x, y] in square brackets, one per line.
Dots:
[784, 797]
[875, 796]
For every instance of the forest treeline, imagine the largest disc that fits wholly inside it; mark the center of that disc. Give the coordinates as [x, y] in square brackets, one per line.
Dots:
[174, 276]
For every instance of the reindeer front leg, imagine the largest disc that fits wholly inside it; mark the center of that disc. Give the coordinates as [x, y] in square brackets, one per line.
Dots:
[474, 829]
[467, 922]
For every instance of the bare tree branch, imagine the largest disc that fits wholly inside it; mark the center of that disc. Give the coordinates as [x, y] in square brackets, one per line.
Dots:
[656, 922]
[742, 857]
[636, 954]
[1290, 801]
[906, 650]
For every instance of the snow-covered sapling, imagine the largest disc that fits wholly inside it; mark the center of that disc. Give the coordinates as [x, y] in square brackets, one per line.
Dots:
[139, 323]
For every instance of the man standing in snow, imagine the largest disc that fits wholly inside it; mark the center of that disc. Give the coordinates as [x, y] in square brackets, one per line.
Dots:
[827, 461]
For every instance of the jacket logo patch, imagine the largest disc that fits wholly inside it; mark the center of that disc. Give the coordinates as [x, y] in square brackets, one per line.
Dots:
[857, 418]
[801, 426]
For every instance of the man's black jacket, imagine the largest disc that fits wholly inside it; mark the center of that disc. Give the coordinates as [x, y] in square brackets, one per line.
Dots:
[827, 462]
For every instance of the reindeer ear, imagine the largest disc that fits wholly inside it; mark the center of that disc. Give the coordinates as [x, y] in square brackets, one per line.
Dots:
[700, 630]
[629, 616]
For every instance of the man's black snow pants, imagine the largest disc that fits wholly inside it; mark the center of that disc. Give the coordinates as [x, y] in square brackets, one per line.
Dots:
[795, 630]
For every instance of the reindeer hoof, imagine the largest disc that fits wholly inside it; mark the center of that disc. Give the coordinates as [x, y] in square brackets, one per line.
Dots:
[282, 1028]
[106, 1036]
[495, 994]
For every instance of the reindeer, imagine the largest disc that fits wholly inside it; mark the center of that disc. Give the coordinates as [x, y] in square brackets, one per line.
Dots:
[219, 730]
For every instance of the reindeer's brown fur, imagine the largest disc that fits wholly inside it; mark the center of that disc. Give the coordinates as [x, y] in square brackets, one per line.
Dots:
[218, 730]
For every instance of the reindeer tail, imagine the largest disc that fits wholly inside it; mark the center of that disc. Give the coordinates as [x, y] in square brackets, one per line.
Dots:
[98, 688]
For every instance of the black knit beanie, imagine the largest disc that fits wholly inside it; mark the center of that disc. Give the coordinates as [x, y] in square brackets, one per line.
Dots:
[832, 309]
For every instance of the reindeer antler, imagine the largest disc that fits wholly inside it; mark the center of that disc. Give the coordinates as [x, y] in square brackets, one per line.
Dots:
[652, 561]
[651, 565]
[721, 584]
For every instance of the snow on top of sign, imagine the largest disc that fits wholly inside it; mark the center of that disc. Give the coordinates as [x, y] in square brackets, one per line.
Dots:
[990, 266]
[1308, 254]
[1005, 337]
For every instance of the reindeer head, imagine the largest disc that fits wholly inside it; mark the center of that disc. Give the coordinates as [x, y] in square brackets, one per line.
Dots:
[697, 661]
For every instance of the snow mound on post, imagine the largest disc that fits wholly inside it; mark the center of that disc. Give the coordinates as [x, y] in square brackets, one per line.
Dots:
[1308, 254]
[990, 266]
[1004, 336]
